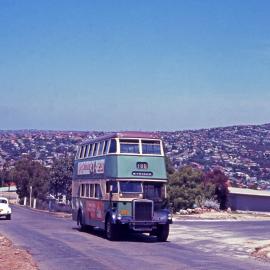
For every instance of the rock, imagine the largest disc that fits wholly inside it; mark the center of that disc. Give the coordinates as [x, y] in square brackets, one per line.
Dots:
[183, 212]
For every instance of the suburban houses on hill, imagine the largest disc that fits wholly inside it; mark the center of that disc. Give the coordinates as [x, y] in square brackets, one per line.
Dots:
[241, 152]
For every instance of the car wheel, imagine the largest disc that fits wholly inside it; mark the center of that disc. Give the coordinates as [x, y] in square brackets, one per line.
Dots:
[8, 217]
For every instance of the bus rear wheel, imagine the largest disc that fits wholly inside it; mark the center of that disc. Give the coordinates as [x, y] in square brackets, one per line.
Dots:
[111, 230]
[82, 227]
[162, 232]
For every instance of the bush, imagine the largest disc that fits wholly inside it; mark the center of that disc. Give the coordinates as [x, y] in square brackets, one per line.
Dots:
[187, 188]
[211, 204]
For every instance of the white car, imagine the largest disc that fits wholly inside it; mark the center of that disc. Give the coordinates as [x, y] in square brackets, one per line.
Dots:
[5, 210]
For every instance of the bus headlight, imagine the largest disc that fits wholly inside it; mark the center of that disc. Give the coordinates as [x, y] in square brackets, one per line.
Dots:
[170, 216]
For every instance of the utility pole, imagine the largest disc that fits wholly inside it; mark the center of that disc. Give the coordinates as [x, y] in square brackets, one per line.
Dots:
[30, 196]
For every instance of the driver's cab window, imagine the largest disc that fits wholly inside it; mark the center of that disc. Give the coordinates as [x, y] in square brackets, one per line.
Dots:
[111, 186]
[152, 190]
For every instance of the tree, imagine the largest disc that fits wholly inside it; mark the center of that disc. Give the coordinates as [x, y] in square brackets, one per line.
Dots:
[220, 180]
[169, 166]
[61, 177]
[4, 174]
[26, 173]
[187, 188]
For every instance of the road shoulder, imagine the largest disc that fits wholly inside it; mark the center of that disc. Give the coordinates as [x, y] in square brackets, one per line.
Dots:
[14, 258]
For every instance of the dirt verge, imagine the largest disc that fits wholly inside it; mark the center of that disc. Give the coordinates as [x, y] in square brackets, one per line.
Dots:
[262, 253]
[14, 258]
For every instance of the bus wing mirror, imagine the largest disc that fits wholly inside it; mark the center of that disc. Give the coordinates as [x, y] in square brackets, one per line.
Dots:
[111, 188]
[111, 191]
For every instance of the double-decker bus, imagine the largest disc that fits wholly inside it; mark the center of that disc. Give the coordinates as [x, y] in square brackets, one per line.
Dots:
[120, 183]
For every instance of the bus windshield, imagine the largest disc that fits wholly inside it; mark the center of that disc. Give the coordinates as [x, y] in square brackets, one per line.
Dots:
[151, 147]
[130, 187]
[129, 146]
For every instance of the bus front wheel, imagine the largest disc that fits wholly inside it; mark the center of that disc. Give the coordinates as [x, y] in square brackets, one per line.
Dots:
[163, 232]
[111, 230]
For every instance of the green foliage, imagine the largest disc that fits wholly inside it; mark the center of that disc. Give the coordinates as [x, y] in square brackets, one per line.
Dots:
[220, 181]
[169, 166]
[187, 188]
[61, 177]
[26, 173]
[4, 175]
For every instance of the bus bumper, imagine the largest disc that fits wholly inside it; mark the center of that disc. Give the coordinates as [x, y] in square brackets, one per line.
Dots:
[142, 226]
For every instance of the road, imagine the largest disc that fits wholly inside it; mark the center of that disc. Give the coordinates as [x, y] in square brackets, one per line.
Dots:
[56, 244]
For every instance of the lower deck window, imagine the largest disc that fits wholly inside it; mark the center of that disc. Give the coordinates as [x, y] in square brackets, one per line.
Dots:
[98, 193]
[152, 190]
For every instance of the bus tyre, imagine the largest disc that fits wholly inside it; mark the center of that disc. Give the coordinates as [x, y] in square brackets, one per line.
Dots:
[111, 230]
[163, 232]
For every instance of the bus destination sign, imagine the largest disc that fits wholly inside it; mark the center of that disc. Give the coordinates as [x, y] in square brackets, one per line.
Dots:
[142, 173]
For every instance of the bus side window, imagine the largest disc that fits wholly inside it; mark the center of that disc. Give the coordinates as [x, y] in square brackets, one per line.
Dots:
[95, 149]
[79, 191]
[112, 146]
[81, 152]
[82, 190]
[98, 194]
[105, 151]
[87, 190]
[78, 153]
[91, 190]
[100, 151]
[90, 150]
[85, 151]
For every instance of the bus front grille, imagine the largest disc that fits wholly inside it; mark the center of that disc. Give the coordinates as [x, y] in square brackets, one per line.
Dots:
[142, 210]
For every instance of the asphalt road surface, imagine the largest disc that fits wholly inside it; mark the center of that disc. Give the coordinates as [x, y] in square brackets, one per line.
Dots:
[56, 243]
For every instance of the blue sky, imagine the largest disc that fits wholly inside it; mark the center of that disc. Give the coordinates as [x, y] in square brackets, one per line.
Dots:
[133, 65]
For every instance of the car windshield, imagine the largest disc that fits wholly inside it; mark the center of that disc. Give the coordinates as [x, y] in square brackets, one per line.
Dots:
[3, 201]
[130, 187]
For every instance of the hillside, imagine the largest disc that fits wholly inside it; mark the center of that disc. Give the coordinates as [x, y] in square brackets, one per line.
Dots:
[242, 152]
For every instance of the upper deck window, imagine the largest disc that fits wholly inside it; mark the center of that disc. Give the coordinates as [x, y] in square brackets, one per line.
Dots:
[90, 153]
[105, 150]
[95, 149]
[112, 146]
[82, 151]
[100, 151]
[86, 150]
[129, 146]
[151, 147]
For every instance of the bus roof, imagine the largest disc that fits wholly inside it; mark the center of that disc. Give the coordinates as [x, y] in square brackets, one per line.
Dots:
[125, 134]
